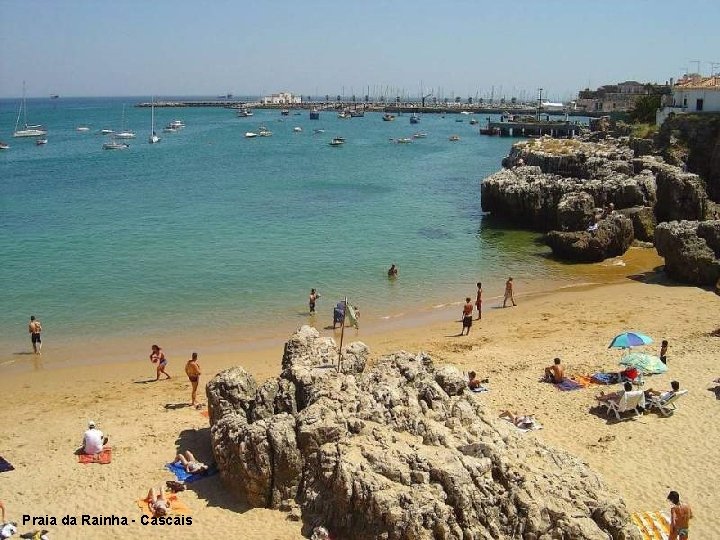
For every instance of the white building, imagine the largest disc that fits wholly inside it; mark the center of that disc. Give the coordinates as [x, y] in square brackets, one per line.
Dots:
[283, 98]
[692, 95]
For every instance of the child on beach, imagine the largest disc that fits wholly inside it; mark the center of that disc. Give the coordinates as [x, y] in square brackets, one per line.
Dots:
[467, 317]
[509, 292]
[663, 351]
[478, 300]
[157, 356]
[192, 370]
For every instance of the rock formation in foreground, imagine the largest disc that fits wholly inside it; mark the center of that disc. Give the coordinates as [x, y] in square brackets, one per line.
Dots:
[401, 450]
[691, 250]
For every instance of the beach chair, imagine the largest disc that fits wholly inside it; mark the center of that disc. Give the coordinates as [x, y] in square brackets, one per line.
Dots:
[666, 407]
[629, 401]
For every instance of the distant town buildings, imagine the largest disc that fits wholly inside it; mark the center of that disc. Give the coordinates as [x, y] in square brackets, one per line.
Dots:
[691, 94]
[283, 98]
[619, 97]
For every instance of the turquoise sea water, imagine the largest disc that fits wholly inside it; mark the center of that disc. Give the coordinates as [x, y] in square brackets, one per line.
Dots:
[209, 230]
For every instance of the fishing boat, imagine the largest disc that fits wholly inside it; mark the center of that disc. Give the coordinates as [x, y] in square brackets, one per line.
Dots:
[250, 135]
[387, 117]
[297, 129]
[124, 133]
[115, 145]
[337, 141]
[28, 130]
[4, 146]
[414, 119]
[82, 129]
[454, 138]
[153, 136]
[314, 114]
[244, 113]
[420, 135]
[40, 142]
[285, 112]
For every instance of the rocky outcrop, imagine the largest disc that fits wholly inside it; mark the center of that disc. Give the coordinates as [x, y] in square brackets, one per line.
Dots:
[612, 237]
[401, 450]
[643, 221]
[691, 250]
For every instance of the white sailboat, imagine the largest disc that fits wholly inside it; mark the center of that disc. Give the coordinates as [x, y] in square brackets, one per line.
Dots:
[28, 130]
[124, 133]
[153, 136]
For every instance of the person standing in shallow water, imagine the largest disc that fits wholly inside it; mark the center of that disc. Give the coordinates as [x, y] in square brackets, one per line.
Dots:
[478, 300]
[509, 292]
[314, 295]
[34, 328]
[393, 271]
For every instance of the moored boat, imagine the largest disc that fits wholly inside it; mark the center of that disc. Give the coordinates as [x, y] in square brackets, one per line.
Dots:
[115, 145]
[420, 135]
[82, 128]
[297, 129]
[414, 118]
[337, 141]
[153, 138]
[387, 117]
[403, 140]
[40, 142]
[285, 112]
[106, 131]
[244, 113]
[4, 146]
[314, 114]
[28, 130]
[250, 135]
[454, 138]
[355, 113]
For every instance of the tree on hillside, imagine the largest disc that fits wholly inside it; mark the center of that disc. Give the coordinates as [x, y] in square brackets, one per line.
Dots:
[644, 110]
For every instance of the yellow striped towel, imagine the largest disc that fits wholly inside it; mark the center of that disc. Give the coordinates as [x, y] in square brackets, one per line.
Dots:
[652, 525]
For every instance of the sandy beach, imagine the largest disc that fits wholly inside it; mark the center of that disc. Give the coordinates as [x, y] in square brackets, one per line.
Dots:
[46, 411]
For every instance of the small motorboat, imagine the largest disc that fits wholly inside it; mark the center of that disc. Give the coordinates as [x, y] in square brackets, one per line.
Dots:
[285, 112]
[297, 129]
[125, 135]
[114, 145]
[244, 113]
[454, 138]
[177, 124]
[337, 141]
[314, 114]
[40, 142]
[82, 128]
[465, 112]
[459, 120]
[357, 113]
[4, 146]
[250, 135]
[387, 117]
[414, 119]
[318, 131]
[106, 131]
[473, 121]
[344, 114]
[403, 140]
[264, 132]
[420, 135]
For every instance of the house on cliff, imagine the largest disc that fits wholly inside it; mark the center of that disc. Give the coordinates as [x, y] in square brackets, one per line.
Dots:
[618, 98]
[694, 94]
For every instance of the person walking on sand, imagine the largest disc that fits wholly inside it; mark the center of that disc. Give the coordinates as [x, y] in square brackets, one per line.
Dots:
[509, 292]
[314, 295]
[478, 300]
[157, 356]
[467, 316]
[34, 328]
[192, 370]
[680, 515]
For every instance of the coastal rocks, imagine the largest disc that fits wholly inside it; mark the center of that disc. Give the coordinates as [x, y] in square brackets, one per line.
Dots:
[399, 450]
[612, 237]
[691, 250]
[575, 211]
[643, 221]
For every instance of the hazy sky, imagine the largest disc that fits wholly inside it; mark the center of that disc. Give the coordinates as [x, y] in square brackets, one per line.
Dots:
[181, 47]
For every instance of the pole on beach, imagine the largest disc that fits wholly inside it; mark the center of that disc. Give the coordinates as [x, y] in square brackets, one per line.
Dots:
[342, 335]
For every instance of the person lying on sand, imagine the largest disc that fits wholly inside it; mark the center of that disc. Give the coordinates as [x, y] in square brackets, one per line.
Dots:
[526, 421]
[191, 464]
[554, 374]
[159, 506]
[615, 396]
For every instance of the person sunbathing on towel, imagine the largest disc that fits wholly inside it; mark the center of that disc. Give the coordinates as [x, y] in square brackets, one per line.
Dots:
[615, 396]
[191, 464]
[159, 505]
[556, 373]
[93, 440]
[664, 396]
[520, 421]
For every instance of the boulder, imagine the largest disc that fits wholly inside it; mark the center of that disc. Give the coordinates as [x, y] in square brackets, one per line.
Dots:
[396, 451]
[643, 220]
[691, 250]
[612, 238]
[575, 211]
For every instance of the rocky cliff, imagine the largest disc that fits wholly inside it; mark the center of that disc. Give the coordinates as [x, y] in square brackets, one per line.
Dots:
[398, 451]
[691, 250]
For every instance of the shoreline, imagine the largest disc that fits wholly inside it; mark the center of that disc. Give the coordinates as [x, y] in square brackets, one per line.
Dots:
[83, 351]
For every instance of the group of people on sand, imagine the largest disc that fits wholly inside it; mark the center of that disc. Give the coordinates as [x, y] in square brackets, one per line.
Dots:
[469, 306]
[192, 370]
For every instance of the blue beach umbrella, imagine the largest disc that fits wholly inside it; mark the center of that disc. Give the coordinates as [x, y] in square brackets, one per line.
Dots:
[629, 339]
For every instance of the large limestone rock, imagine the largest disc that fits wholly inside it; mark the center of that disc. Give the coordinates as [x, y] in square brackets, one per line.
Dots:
[611, 239]
[398, 451]
[643, 221]
[575, 211]
[691, 250]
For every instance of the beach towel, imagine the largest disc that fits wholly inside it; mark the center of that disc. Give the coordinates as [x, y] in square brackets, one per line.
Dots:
[177, 507]
[525, 428]
[183, 476]
[568, 384]
[652, 525]
[205, 413]
[605, 378]
[585, 380]
[103, 457]
[5, 465]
